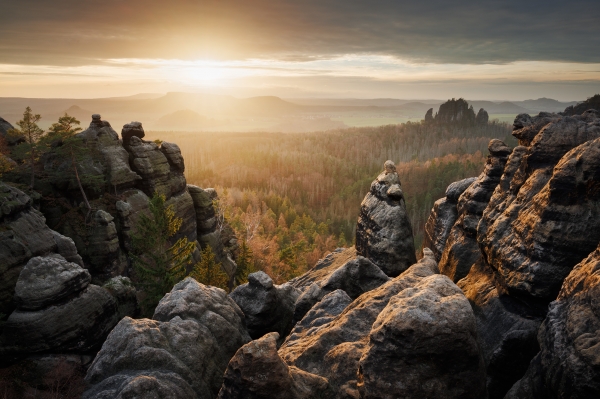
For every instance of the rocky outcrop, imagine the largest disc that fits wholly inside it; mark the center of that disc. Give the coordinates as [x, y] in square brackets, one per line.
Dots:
[482, 117]
[209, 233]
[11, 139]
[23, 235]
[267, 307]
[568, 363]
[591, 103]
[548, 222]
[183, 352]
[506, 328]
[355, 277]
[333, 349]
[132, 129]
[423, 345]
[58, 310]
[324, 268]
[455, 112]
[383, 232]
[429, 115]
[151, 164]
[443, 216]
[461, 249]
[257, 372]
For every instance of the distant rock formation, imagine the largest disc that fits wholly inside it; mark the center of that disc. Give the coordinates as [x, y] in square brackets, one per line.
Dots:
[591, 103]
[457, 112]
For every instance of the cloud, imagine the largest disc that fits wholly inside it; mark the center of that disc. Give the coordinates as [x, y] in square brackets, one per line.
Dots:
[80, 32]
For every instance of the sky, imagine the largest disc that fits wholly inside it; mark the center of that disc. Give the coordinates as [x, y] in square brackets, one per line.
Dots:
[427, 49]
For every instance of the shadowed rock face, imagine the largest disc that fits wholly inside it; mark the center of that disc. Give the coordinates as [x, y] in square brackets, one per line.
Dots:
[256, 372]
[461, 249]
[182, 353]
[24, 235]
[383, 232]
[568, 365]
[355, 277]
[443, 216]
[267, 307]
[423, 345]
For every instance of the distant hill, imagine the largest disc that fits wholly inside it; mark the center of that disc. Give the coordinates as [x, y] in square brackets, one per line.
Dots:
[499, 108]
[183, 120]
[544, 104]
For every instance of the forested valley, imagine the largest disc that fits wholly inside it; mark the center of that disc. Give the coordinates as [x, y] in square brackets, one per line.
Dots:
[291, 198]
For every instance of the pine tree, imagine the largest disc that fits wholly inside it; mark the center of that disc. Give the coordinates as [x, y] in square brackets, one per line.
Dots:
[244, 264]
[210, 272]
[31, 133]
[158, 265]
[69, 153]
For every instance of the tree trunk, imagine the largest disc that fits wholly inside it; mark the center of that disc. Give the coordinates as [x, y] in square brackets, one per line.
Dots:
[79, 181]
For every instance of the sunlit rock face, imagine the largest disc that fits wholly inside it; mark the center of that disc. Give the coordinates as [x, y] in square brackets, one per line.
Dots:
[383, 232]
[526, 237]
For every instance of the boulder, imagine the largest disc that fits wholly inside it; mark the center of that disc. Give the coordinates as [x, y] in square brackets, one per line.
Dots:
[383, 232]
[267, 307]
[443, 216]
[568, 365]
[182, 353]
[461, 249]
[102, 249]
[257, 372]
[423, 345]
[151, 164]
[355, 277]
[332, 350]
[323, 268]
[47, 280]
[125, 293]
[130, 130]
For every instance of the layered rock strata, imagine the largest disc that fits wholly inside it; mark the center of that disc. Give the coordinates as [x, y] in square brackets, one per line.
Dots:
[383, 232]
[182, 352]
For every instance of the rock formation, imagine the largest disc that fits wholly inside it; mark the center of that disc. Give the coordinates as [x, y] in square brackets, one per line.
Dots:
[567, 365]
[482, 117]
[461, 249]
[443, 216]
[182, 352]
[267, 307]
[591, 103]
[384, 233]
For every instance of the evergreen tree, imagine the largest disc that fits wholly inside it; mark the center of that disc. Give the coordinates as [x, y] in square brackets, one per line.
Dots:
[31, 133]
[210, 272]
[244, 264]
[158, 265]
[71, 151]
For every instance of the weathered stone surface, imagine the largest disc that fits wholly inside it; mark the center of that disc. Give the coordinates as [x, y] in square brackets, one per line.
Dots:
[591, 103]
[124, 292]
[553, 221]
[355, 277]
[383, 232]
[333, 350]
[79, 324]
[130, 130]
[461, 249]
[173, 155]
[5, 126]
[183, 353]
[424, 345]
[66, 248]
[23, 235]
[267, 307]
[102, 250]
[568, 365]
[256, 372]
[152, 165]
[47, 280]
[443, 216]
[323, 268]
[506, 327]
